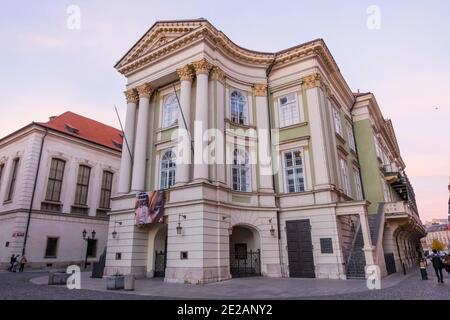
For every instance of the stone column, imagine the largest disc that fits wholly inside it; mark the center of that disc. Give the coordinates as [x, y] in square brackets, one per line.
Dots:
[140, 150]
[218, 80]
[201, 159]
[184, 154]
[264, 147]
[368, 247]
[317, 119]
[128, 142]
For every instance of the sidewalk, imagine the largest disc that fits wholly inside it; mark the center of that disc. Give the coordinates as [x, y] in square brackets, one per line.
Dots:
[240, 288]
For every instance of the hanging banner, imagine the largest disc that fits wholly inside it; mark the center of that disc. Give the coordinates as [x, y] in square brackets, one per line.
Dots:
[149, 207]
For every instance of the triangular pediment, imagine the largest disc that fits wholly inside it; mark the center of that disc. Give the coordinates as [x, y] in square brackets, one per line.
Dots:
[160, 34]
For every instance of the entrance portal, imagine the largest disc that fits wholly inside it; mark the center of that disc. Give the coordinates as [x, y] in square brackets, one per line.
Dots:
[160, 247]
[245, 255]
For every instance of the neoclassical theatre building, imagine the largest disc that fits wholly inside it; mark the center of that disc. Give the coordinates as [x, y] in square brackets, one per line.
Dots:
[274, 189]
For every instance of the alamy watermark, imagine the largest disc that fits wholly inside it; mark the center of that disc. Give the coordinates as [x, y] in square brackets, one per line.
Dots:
[73, 21]
[373, 277]
[374, 19]
[74, 280]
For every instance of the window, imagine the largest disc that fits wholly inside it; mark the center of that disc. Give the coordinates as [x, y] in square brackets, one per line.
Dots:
[351, 137]
[377, 148]
[55, 179]
[358, 187]
[238, 107]
[288, 110]
[168, 169]
[240, 171]
[51, 247]
[12, 182]
[293, 166]
[2, 166]
[105, 192]
[170, 111]
[387, 195]
[82, 188]
[344, 173]
[337, 121]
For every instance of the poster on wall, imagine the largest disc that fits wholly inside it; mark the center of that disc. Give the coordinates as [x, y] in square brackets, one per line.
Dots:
[149, 207]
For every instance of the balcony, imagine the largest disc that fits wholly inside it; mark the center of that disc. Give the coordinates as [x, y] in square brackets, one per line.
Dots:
[402, 210]
[391, 173]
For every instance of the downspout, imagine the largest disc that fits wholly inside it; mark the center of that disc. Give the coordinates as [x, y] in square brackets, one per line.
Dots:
[277, 200]
[34, 191]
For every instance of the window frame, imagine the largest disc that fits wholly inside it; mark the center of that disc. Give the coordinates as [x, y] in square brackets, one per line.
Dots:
[351, 137]
[358, 184]
[12, 180]
[245, 112]
[302, 166]
[345, 176]
[164, 113]
[46, 256]
[240, 168]
[337, 121]
[55, 179]
[106, 189]
[80, 185]
[294, 111]
[168, 170]
[2, 169]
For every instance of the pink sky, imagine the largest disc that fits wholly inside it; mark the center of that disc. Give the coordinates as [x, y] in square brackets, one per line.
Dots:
[48, 69]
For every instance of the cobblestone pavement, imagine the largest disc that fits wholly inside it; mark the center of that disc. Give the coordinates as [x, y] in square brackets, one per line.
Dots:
[18, 286]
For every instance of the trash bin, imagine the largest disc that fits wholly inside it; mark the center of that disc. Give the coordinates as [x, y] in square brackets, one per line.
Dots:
[129, 282]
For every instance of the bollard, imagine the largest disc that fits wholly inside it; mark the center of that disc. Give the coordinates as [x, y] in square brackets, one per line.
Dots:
[129, 282]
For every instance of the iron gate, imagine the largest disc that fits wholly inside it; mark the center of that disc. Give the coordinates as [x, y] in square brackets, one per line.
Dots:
[390, 263]
[245, 264]
[160, 264]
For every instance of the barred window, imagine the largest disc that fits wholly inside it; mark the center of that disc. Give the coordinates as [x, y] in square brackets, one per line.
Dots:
[55, 179]
[288, 110]
[293, 166]
[170, 111]
[241, 171]
[168, 170]
[238, 107]
[12, 182]
[105, 192]
[82, 187]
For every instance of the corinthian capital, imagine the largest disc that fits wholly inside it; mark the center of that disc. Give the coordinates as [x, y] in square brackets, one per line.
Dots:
[131, 95]
[144, 90]
[260, 90]
[312, 81]
[185, 73]
[217, 74]
[202, 66]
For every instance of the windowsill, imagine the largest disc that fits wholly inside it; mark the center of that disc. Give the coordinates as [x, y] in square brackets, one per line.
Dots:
[342, 149]
[353, 151]
[295, 193]
[295, 125]
[340, 138]
[167, 128]
[245, 126]
[50, 257]
[81, 206]
[7, 201]
[104, 209]
[52, 202]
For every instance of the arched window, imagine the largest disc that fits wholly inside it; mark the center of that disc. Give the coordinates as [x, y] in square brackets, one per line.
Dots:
[170, 111]
[241, 171]
[168, 168]
[238, 106]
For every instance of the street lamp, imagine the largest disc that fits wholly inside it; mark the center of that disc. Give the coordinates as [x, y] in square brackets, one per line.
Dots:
[114, 233]
[272, 230]
[89, 240]
[179, 227]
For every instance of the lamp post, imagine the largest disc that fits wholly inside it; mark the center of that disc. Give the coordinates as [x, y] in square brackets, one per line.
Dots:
[114, 233]
[89, 240]
[179, 227]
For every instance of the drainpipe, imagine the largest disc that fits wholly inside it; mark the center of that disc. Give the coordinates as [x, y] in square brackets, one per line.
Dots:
[34, 191]
[277, 200]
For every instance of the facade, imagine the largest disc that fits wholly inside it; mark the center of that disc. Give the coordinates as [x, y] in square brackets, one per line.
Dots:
[395, 223]
[56, 180]
[278, 191]
[439, 232]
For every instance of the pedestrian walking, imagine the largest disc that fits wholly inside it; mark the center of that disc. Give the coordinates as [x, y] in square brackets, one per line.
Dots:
[11, 262]
[23, 261]
[438, 265]
[447, 263]
[423, 268]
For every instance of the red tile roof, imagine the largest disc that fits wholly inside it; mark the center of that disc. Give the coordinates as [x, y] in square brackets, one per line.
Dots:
[87, 129]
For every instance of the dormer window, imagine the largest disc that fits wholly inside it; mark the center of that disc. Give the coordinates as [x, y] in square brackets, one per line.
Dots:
[71, 129]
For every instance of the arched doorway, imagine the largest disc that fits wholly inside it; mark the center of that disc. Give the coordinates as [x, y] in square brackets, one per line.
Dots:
[245, 252]
[157, 247]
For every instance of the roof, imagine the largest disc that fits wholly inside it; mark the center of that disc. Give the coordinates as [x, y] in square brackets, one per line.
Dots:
[437, 227]
[360, 94]
[85, 128]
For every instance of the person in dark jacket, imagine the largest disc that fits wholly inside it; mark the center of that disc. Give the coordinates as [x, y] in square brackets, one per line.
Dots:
[11, 262]
[438, 265]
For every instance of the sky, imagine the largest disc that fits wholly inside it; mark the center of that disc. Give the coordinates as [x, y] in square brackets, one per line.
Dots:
[400, 52]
